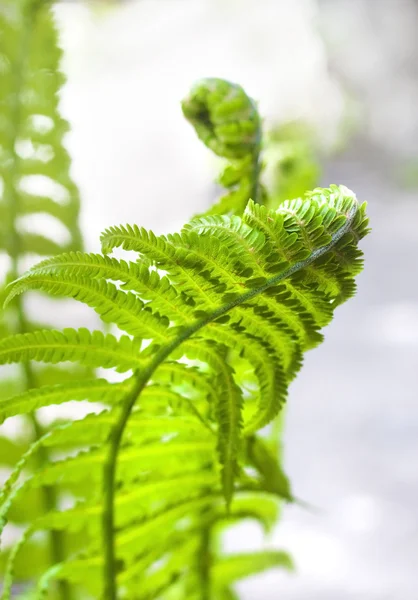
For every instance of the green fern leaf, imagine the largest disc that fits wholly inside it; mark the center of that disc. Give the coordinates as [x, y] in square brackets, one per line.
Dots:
[226, 120]
[265, 461]
[135, 277]
[114, 306]
[230, 569]
[92, 349]
[35, 180]
[160, 458]
[31, 128]
[233, 299]
[98, 390]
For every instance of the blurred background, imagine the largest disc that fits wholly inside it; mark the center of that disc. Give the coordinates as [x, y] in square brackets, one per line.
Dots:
[348, 69]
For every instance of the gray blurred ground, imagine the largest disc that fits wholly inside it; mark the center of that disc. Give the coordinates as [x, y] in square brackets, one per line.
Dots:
[352, 427]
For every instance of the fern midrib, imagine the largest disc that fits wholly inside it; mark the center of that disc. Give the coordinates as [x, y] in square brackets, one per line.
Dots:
[303, 299]
[256, 165]
[234, 424]
[257, 321]
[205, 563]
[234, 281]
[142, 377]
[292, 319]
[49, 497]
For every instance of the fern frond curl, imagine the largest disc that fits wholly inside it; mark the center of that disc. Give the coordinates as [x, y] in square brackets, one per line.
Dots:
[226, 120]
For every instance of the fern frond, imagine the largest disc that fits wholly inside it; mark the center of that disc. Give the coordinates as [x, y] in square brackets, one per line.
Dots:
[228, 409]
[93, 349]
[161, 458]
[125, 310]
[292, 156]
[226, 120]
[139, 502]
[94, 429]
[260, 506]
[226, 594]
[162, 526]
[218, 318]
[265, 461]
[234, 305]
[96, 390]
[156, 290]
[31, 128]
[9, 574]
[35, 180]
[230, 569]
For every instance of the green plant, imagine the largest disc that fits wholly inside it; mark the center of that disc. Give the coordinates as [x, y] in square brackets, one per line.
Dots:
[291, 155]
[35, 186]
[215, 321]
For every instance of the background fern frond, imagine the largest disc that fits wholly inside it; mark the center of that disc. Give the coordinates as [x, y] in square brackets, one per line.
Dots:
[35, 182]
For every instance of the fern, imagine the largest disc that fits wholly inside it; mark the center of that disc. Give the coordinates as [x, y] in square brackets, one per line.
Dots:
[237, 305]
[292, 159]
[34, 182]
[214, 323]
[226, 120]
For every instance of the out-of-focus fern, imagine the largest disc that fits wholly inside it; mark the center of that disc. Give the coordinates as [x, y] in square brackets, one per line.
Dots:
[35, 186]
[292, 159]
[215, 321]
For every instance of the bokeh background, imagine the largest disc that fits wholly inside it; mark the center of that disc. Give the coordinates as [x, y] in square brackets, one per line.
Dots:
[349, 69]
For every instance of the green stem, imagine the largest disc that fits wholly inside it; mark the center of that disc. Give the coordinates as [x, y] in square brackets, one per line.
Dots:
[205, 556]
[49, 498]
[49, 495]
[142, 378]
[255, 189]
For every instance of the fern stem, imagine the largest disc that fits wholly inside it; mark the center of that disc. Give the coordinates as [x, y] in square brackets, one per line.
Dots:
[109, 480]
[255, 189]
[205, 564]
[143, 377]
[49, 499]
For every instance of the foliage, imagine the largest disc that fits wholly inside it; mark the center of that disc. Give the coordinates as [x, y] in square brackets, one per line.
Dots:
[291, 155]
[213, 323]
[35, 187]
[226, 120]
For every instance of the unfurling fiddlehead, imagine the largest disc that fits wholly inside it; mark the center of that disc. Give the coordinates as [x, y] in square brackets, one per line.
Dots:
[226, 120]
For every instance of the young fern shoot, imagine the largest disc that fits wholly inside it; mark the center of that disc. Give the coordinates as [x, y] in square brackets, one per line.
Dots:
[216, 319]
[226, 120]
